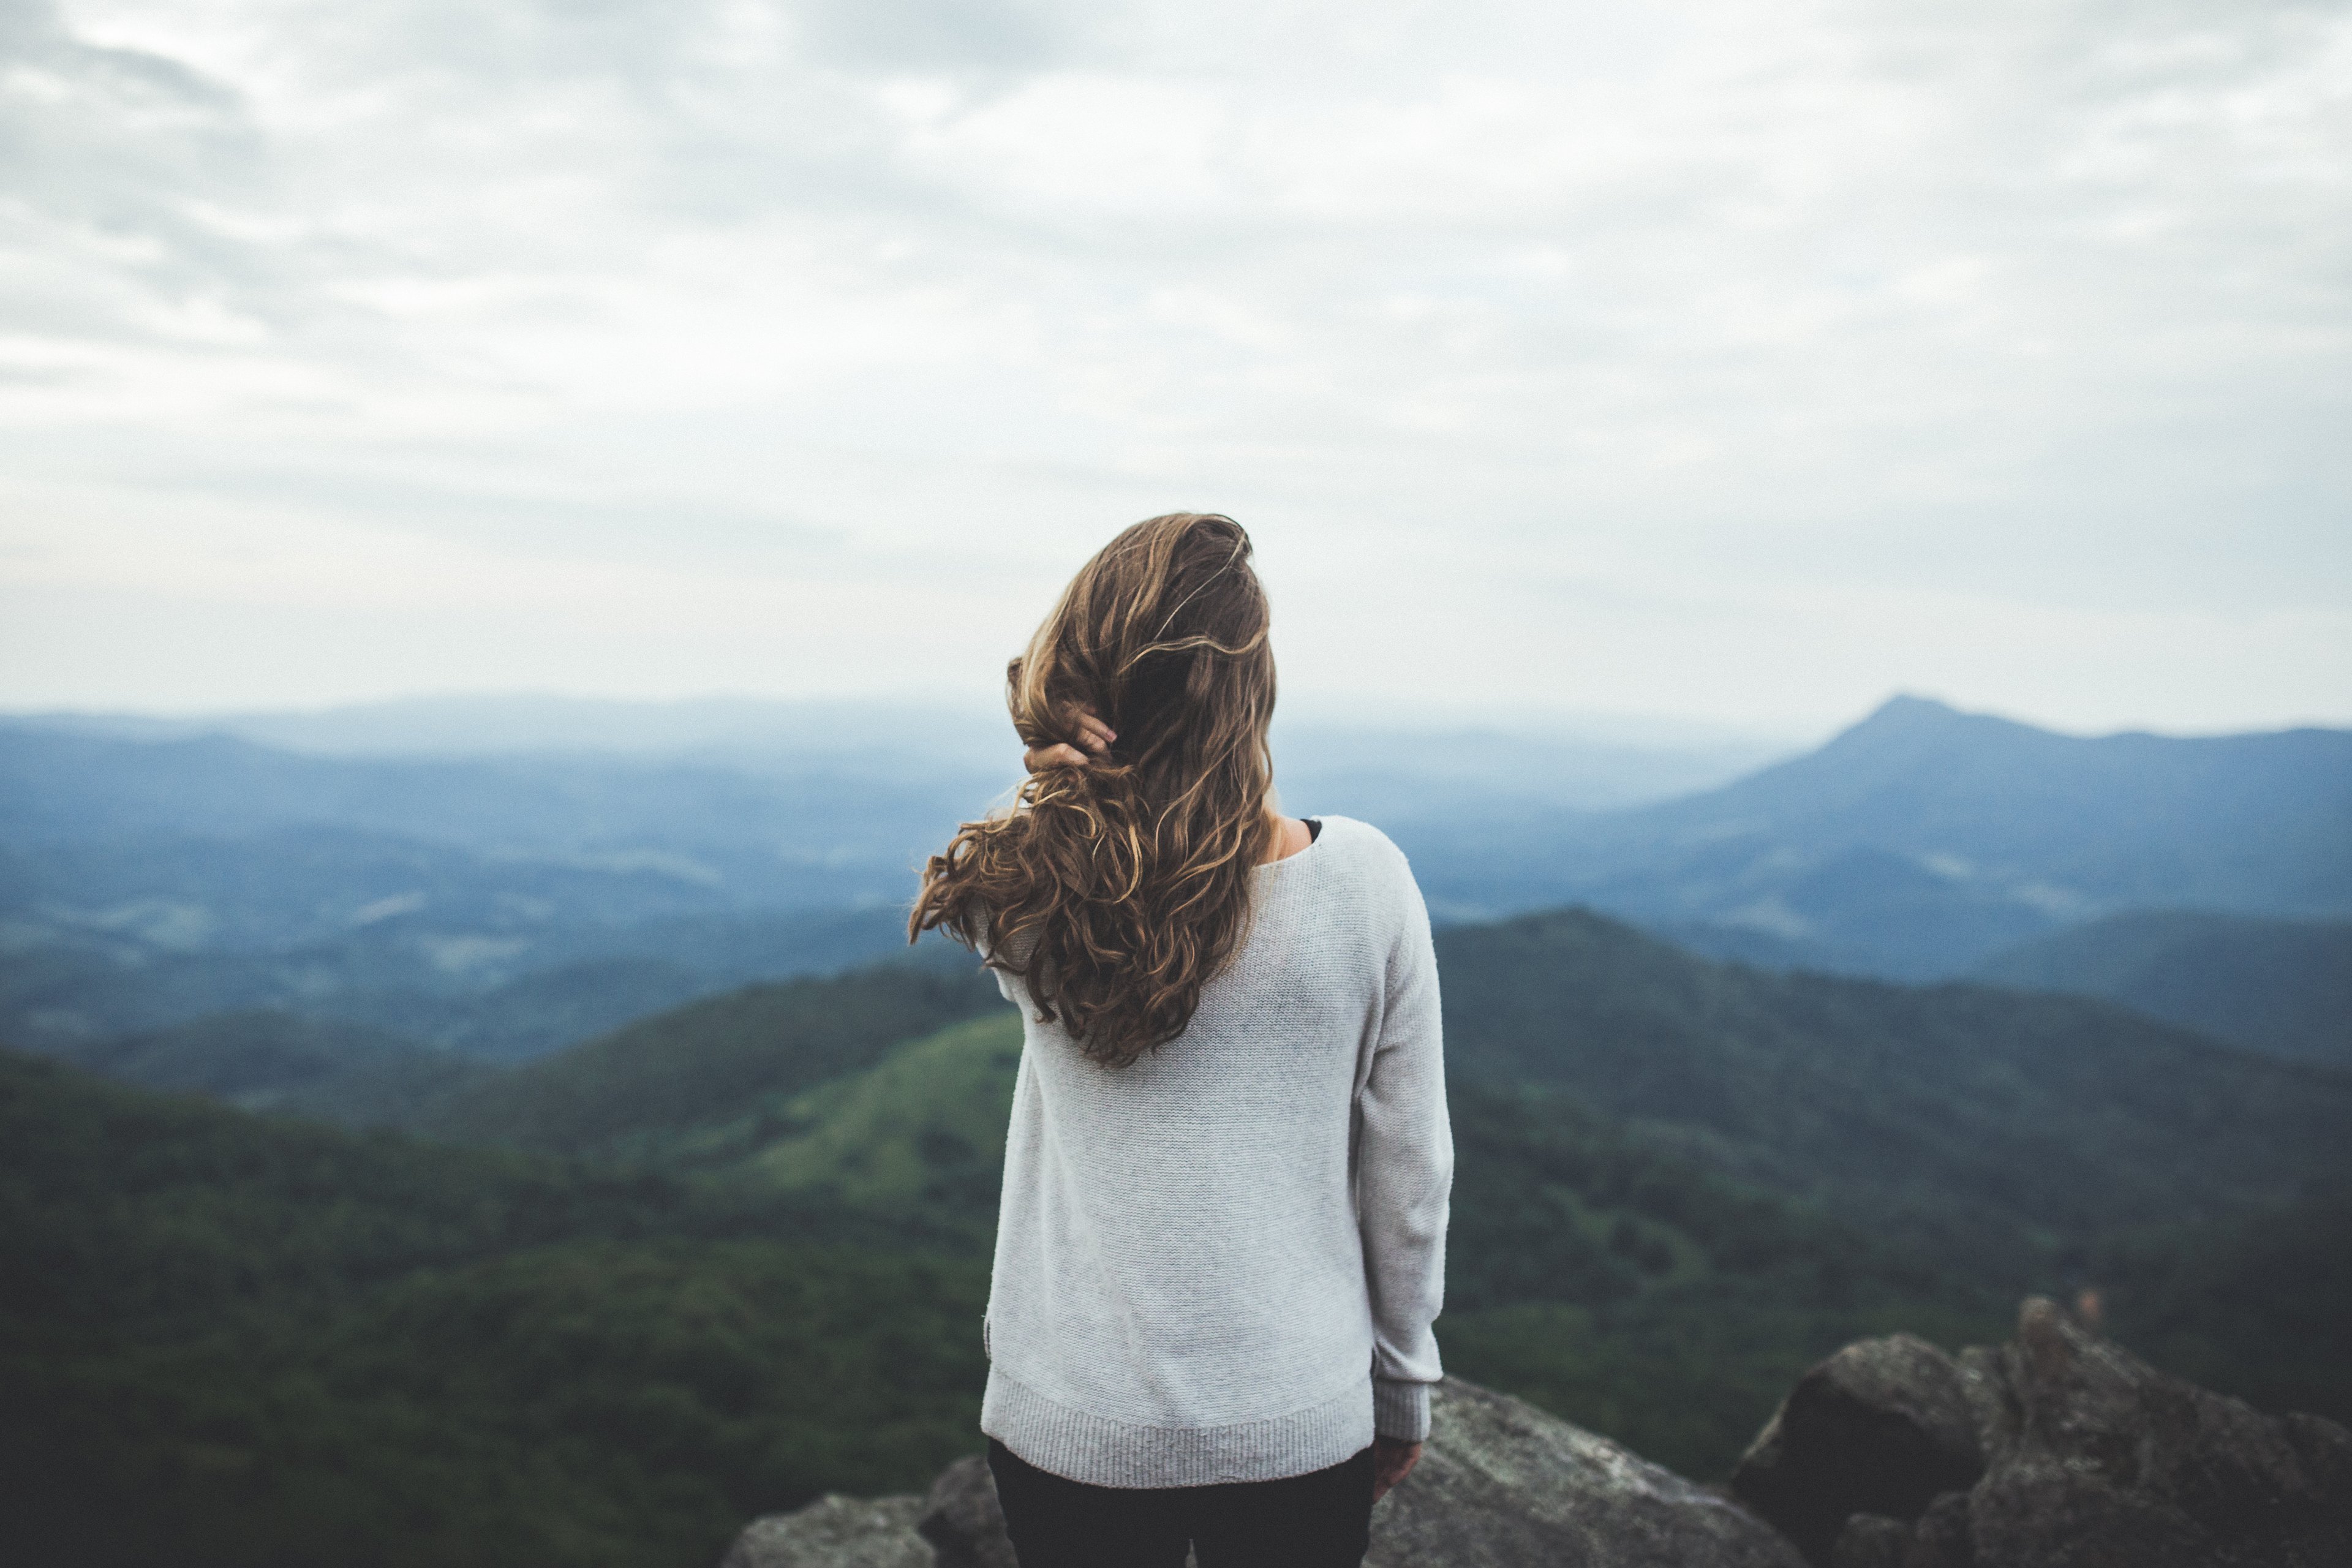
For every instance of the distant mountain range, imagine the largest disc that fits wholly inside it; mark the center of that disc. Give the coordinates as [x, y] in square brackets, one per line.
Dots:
[1922, 840]
[503, 902]
[504, 876]
[657, 1203]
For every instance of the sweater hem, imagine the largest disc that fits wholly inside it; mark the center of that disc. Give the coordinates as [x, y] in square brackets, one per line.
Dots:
[1099, 1451]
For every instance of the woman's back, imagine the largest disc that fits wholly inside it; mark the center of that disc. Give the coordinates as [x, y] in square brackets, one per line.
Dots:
[1223, 1238]
[1214, 1261]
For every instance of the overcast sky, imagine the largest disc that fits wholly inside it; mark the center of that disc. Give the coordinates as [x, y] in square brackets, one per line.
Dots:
[1740, 362]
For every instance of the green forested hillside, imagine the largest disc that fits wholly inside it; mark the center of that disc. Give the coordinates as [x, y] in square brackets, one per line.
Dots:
[268, 1061]
[628, 1091]
[2002, 1131]
[1593, 1259]
[731, 1255]
[2281, 987]
[231, 1341]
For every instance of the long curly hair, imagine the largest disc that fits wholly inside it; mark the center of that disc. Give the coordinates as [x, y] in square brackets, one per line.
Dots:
[1118, 890]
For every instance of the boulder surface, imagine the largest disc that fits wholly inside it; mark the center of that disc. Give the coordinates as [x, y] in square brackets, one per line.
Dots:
[1880, 1428]
[962, 1520]
[1502, 1484]
[835, 1533]
[2058, 1450]
[2083, 1457]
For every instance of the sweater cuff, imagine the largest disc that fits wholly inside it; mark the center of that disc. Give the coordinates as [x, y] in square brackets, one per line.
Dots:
[1401, 1410]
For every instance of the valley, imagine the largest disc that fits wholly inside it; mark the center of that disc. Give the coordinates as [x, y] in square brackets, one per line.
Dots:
[573, 1149]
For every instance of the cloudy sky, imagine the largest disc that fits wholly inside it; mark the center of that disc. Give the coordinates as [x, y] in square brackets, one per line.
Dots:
[1733, 361]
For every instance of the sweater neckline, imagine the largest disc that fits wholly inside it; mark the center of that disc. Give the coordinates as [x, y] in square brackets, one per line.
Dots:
[1313, 844]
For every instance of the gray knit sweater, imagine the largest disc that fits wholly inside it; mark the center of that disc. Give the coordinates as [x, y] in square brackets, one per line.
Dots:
[1220, 1263]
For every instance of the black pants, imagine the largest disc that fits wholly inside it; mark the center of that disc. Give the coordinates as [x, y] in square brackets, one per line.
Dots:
[1318, 1521]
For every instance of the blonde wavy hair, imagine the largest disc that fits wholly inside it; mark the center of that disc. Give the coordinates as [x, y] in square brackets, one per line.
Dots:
[1116, 889]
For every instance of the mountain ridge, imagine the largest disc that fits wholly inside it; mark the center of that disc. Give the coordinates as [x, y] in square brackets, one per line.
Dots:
[1920, 840]
[2280, 986]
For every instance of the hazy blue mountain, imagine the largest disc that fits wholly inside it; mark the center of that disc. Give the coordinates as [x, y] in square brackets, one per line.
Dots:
[819, 836]
[2282, 986]
[209, 840]
[878, 736]
[548, 869]
[322, 886]
[1915, 845]
[505, 994]
[1616, 756]
[1922, 840]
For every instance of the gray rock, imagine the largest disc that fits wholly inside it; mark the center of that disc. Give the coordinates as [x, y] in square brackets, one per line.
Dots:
[963, 1520]
[1941, 1539]
[2092, 1459]
[1502, 1485]
[1881, 1428]
[1872, 1541]
[2114, 1464]
[835, 1533]
[2325, 1450]
[1984, 1380]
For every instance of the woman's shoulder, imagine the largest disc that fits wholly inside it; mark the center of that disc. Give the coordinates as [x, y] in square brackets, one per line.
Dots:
[1354, 831]
[1359, 844]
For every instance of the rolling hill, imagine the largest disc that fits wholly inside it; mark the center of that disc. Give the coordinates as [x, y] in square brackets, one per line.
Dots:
[750, 1268]
[148, 879]
[2001, 1129]
[1940, 1147]
[653, 1250]
[1586, 1270]
[281, 1062]
[503, 990]
[2280, 986]
[228, 1339]
[629, 1092]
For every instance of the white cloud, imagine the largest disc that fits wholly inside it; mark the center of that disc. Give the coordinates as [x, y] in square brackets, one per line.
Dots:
[1744, 361]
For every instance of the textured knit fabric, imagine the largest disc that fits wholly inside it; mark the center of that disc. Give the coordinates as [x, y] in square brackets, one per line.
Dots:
[1221, 1262]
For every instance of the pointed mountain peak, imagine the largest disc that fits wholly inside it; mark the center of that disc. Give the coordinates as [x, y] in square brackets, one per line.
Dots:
[1907, 711]
[1907, 720]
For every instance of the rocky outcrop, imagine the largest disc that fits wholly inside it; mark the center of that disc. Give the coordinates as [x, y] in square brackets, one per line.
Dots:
[962, 1519]
[1879, 1429]
[2057, 1450]
[2077, 1455]
[835, 1533]
[1502, 1484]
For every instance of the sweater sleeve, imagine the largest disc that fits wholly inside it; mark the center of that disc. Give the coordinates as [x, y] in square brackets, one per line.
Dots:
[1404, 1176]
